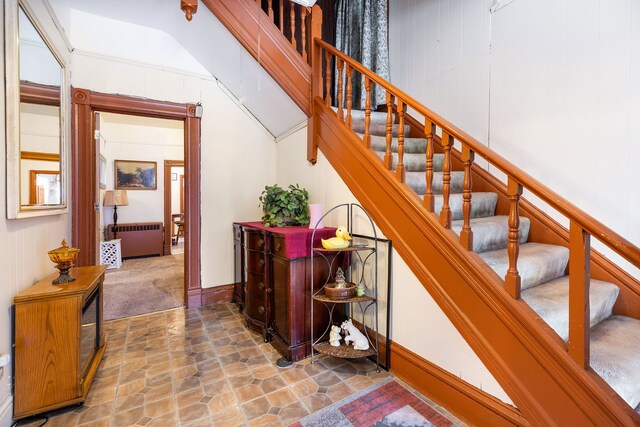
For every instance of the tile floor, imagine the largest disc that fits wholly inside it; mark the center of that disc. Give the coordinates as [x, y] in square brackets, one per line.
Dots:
[201, 367]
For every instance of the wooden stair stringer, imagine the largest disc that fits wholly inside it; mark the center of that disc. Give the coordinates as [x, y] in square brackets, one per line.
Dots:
[264, 41]
[533, 368]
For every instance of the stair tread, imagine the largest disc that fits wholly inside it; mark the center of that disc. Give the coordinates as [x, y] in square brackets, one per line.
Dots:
[492, 232]
[551, 301]
[411, 145]
[483, 205]
[418, 182]
[615, 346]
[378, 123]
[414, 162]
[537, 262]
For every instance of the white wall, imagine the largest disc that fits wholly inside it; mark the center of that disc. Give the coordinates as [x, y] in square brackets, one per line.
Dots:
[551, 85]
[145, 139]
[23, 243]
[418, 323]
[175, 189]
[238, 155]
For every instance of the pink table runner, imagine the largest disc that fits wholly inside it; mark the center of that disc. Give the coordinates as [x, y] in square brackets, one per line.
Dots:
[297, 239]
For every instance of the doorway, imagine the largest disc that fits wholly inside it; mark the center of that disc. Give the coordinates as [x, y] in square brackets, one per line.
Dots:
[174, 206]
[85, 175]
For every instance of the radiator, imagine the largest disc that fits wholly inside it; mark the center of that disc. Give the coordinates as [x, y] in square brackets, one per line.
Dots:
[139, 239]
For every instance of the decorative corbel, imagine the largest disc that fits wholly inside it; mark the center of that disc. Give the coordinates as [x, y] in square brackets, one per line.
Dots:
[189, 7]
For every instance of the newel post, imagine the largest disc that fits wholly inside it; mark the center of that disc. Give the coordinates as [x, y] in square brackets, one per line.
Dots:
[316, 81]
[579, 284]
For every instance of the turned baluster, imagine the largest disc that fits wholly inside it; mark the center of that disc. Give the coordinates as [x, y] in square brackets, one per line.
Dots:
[445, 213]
[327, 79]
[466, 235]
[512, 279]
[292, 15]
[388, 157]
[270, 10]
[281, 16]
[367, 113]
[340, 68]
[579, 284]
[429, 131]
[349, 95]
[303, 29]
[400, 172]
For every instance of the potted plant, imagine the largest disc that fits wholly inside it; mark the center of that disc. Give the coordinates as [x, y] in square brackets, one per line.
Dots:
[284, 207]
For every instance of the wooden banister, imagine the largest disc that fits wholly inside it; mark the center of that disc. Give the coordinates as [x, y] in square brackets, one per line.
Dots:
[592, 226]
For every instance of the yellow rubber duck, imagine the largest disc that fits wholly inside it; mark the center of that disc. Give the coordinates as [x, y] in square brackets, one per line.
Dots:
[341, 240]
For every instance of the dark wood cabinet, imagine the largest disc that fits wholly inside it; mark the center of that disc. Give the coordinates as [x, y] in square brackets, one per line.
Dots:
[277, 288]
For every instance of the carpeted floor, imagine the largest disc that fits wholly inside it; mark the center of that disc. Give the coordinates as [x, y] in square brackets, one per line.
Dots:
[381, 405]
[144, 285]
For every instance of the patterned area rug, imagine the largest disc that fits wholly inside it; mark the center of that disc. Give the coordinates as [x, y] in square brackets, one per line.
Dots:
[144, 285]
[389, 404]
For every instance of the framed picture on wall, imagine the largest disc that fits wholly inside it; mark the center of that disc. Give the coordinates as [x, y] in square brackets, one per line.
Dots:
[103, 172]
[135, 175]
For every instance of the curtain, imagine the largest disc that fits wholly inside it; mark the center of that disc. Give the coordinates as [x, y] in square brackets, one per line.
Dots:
[362, 34]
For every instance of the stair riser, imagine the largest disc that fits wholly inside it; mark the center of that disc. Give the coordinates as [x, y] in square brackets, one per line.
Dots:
[411, 145]
[484, 206]
[537, 263]
[489, 237]
[415, 162]
[551, 301]
[418, 182]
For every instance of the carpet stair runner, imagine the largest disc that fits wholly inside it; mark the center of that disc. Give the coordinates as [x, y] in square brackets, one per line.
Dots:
[615, 340]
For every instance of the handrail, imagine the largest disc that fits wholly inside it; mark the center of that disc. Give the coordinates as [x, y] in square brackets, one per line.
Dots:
[603, 233]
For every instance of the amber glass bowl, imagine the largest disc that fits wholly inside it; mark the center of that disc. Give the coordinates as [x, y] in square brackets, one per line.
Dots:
[64, 256]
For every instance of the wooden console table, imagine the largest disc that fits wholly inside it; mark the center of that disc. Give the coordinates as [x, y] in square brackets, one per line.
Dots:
[276, 281]
[59, 341]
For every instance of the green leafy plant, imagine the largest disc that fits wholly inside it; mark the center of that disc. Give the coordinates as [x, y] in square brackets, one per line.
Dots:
[284, 207]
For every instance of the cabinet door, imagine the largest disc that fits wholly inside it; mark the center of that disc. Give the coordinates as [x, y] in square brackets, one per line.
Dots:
[281, 304]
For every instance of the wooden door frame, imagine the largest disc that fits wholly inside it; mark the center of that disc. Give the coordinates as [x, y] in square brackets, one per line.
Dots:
[84, 175]
[168, 223]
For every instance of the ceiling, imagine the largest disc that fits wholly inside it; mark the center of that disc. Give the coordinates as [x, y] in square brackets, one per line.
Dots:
[209, 47]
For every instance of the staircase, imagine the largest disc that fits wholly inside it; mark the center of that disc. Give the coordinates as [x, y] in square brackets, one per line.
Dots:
[554, 321]
[615, 340]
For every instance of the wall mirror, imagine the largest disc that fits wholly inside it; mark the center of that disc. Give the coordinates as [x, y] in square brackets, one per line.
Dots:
[36, 98]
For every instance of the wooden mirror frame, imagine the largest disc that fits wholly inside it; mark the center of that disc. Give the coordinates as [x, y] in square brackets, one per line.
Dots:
[15, 209]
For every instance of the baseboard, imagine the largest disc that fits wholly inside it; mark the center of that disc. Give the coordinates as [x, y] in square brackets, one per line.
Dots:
[6, 412]
[465, 401]
[223, 293]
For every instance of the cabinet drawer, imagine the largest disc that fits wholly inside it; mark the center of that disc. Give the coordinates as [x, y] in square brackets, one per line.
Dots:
[256, 240]
[279, 246]
[256, 308]
[256, 284]
[256, 262]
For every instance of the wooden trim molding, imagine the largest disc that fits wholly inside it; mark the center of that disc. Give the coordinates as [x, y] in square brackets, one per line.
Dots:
[217, 294]
[467, 402]
[35, 93]
[264, 41]
[84, 172]
[517, 347]
[37, 155]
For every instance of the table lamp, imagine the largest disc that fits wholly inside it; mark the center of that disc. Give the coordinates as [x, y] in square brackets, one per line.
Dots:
[115, 198]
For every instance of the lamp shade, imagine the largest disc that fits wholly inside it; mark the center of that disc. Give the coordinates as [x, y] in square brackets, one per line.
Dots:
[115, 198]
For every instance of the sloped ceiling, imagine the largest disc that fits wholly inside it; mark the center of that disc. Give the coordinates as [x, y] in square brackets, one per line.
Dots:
[209, 48]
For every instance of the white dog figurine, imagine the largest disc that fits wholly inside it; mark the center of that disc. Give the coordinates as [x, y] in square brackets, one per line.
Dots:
[360, 342]
[334, 336]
